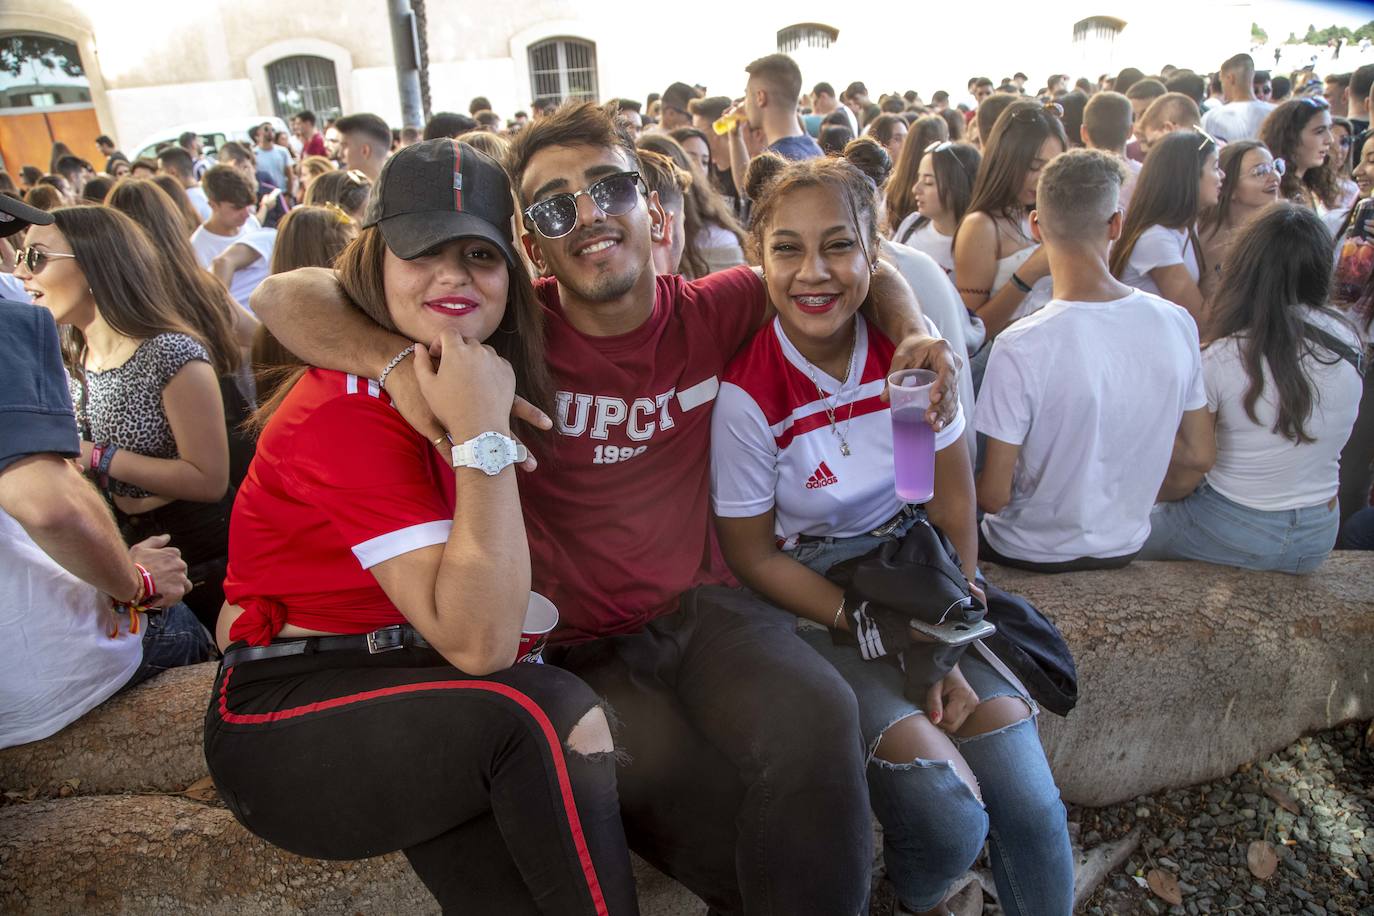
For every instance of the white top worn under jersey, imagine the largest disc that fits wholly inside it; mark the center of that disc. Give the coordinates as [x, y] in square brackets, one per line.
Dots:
[57, 660]
[1093, 393]
[772, 446]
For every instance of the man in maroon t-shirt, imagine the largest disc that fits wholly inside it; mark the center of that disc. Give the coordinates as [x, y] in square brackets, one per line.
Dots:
[312, 141]
[744, 776]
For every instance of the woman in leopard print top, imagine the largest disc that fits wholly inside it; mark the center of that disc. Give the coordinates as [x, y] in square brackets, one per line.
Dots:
[146, 395]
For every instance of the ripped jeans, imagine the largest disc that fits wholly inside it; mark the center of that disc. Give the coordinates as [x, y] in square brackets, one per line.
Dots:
[933, 825]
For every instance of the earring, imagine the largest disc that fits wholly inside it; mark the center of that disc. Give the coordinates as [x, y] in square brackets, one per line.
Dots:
[873, 271]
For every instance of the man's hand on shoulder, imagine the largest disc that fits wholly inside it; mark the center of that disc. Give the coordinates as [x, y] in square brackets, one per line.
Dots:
[921, 351]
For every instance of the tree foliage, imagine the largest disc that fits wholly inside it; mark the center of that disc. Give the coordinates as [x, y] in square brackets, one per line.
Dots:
[1258, 35]
[54, 53]
[1316, 36]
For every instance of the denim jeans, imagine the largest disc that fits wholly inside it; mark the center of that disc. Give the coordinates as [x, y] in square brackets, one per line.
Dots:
[933, 825]
[1207, 526]
[172, 639]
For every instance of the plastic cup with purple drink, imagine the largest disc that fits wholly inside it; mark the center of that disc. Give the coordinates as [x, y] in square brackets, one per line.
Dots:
[913, 440]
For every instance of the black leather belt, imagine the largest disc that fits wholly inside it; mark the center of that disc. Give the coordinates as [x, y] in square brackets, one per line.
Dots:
[386, 639]
[883, 530]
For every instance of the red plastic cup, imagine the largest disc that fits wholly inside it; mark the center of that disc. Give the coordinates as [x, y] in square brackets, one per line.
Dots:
[540, 619]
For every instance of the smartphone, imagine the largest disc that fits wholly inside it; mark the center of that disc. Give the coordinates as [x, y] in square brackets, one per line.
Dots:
[957, 633]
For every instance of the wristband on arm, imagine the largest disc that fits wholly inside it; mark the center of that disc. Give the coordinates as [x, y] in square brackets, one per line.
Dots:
[1020, 284]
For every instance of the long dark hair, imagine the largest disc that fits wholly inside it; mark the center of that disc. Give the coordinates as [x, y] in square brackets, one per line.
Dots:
[955, 167]
[1280, 262]
[1282, 133]
[901, 193]
[519, 339]
[1230, 159]
[702, 205]
[125, 275]
[1166, 194]
[186, 211]
[200, 298]
[308, 236]
[1010, 149]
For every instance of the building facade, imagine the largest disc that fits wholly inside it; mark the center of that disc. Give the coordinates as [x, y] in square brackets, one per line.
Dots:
[142, 71]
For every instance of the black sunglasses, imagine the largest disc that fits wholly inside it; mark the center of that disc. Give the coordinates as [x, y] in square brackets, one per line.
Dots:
[35, 260]
[556, 216]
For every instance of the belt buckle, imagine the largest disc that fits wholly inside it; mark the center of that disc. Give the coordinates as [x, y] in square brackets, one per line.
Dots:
[386, 639]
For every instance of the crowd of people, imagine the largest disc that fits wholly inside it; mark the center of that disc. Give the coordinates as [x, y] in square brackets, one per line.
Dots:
[337, 406]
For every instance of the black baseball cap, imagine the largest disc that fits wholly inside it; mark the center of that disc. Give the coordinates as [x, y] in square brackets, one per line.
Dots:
[436, 191]
[16, 216]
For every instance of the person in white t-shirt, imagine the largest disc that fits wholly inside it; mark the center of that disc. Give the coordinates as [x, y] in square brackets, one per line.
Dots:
[1082, 400]
[1299, 132]
[236, 252]
[803, 478]
[1282, 395]
[1158, 252]
[63, 648]
[232, 198]
[1240, 118]
[943, 189]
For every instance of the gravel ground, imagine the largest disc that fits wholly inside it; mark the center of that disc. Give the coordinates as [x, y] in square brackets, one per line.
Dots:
[1312, 802]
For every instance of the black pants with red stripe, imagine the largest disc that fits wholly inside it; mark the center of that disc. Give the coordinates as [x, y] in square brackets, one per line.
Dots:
[743, 772]
[345, 755]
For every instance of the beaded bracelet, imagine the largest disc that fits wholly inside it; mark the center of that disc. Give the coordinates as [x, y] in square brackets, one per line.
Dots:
[395, 361]
[141, 603]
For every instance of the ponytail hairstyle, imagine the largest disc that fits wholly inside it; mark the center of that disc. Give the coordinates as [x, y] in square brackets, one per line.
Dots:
[1278, 268]
[1282, 133]
[1166, 194]
[201, 299]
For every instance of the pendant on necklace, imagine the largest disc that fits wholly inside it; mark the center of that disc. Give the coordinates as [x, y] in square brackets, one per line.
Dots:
[844, 448]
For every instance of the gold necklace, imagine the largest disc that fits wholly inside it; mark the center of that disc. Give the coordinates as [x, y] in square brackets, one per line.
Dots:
[827, 401]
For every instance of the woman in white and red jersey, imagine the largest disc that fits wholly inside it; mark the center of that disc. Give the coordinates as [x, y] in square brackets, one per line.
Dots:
[802, 478]
[377, 587]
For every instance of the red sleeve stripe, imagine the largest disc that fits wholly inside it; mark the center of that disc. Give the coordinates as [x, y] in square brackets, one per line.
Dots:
[525, 703]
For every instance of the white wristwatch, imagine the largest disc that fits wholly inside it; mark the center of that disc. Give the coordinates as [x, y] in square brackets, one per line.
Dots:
[489, 452]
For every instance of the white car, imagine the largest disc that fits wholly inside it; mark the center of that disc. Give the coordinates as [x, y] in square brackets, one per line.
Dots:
[213, 134]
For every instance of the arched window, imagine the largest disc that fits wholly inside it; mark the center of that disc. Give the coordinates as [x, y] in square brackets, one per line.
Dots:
[806, 35]
[41, 71]
[563, 69]
[304, 83]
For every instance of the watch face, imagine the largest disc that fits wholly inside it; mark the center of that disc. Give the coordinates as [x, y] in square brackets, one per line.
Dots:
[491, 453]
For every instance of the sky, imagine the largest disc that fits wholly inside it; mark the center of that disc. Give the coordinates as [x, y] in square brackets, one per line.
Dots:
[1280, 18]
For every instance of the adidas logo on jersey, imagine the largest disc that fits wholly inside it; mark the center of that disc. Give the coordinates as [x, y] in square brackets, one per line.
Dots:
[821, 477]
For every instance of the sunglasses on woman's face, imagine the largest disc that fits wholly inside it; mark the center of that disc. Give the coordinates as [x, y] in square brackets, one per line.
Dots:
[1265, 169]
[35, 259]
[556, 216]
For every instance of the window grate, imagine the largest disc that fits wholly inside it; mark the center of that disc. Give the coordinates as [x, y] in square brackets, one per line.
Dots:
[301, 83]
[563, 69]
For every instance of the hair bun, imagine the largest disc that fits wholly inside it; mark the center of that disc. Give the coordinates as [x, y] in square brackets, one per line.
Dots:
[868, 156]
[763, 172]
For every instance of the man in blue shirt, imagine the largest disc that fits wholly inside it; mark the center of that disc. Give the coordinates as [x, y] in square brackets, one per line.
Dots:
[770, 105]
